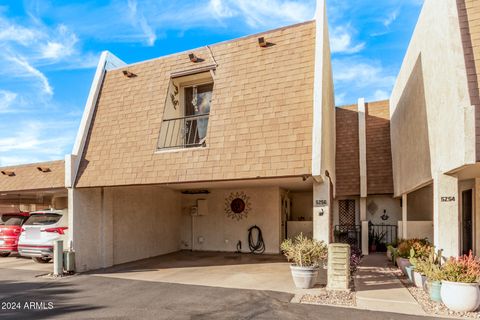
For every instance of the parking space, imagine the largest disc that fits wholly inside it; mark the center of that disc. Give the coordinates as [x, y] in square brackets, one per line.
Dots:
[213, 269]
[14, 261]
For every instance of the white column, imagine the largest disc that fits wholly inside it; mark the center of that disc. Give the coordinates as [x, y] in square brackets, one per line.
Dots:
[446, 226]
[362, 145]
[404, 216]
[321, 210]
[364, 223]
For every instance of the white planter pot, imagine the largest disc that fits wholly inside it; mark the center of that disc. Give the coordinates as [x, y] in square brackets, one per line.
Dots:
[460, 297]
[389, 255]
[418, 279]
[304, 277]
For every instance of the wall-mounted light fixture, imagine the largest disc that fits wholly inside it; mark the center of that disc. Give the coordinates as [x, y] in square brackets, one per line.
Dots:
[262, 42]
[129, 74]
[44, 169]
[8, 173]
[193, 57]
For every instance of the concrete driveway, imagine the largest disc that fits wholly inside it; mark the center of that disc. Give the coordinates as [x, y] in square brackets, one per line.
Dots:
[213, 269]
[92, 297]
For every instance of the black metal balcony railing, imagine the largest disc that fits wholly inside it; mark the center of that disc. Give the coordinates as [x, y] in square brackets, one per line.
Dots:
[350, 234]
[184, 132]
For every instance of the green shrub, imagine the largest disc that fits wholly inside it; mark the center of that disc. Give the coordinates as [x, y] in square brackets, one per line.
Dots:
[304, 252]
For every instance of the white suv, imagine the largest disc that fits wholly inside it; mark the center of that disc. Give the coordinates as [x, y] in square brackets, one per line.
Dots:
[40, 231]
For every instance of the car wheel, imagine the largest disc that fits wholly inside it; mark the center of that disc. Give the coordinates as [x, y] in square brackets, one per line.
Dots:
[4, 254]
[41, 259]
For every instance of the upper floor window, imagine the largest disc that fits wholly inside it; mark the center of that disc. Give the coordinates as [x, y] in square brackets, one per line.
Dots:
[187, 108]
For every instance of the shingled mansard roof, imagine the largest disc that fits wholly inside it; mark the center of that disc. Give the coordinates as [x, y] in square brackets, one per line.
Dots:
[34, 176]
[260, 121]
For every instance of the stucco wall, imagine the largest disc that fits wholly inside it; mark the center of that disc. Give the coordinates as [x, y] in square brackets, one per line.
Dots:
[430, 106]
[147, 222]
[391, 205]
[417, 229]
[301, 205]
[420, 204]
[117, 225]
[220, 232]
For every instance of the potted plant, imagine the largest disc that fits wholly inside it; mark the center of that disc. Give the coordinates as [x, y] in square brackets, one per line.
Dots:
[433, 284]
[460, 277]
[402, 254]
[390, 252]
[306, 255]
[423, 262]
[419, 253]
[375, 240]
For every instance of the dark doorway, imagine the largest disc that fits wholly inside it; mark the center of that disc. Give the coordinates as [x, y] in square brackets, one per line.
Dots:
[467, 221]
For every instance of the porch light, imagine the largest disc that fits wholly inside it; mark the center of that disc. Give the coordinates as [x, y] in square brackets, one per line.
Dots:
[129, 74]
[193, 57]
[43, 169]
[8, 173]
[262, 42]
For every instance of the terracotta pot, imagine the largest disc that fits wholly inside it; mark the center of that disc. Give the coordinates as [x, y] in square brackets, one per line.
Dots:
[460, 297]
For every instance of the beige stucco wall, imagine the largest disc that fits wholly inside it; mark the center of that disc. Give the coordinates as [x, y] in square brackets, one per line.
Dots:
[117, 225]
[391, 205]
[417, 229]
[301, 205]
[146, 222]
[430, 106]
[221, 233]
[420, 204]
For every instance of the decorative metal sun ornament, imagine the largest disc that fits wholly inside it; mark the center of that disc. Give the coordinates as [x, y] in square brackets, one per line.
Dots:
[237, 205]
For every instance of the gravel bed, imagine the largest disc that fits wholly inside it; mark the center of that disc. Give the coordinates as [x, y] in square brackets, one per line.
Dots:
[331, 297]
[432, 307]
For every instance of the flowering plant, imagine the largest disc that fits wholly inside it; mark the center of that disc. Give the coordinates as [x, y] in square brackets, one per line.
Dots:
[464, 269]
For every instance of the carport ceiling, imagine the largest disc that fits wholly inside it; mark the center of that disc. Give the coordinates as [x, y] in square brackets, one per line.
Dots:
[31, 197]
[288, 183]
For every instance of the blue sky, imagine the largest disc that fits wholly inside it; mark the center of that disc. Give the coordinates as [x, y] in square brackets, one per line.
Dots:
[49, 50]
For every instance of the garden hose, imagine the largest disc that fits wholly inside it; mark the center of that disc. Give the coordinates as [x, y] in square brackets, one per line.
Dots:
[259, 245]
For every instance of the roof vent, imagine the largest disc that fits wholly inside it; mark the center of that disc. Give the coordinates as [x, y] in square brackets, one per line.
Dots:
[44, 169]
[129, 74]
[194, 58]
[8, 173]
[262, 42]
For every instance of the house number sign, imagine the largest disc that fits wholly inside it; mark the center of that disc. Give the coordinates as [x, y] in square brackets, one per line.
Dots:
[447, 199]
[321, 203]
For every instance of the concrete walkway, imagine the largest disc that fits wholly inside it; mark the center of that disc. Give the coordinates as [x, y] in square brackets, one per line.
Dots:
[378, 289]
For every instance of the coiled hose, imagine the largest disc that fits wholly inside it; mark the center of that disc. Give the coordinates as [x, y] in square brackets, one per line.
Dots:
[259, 245]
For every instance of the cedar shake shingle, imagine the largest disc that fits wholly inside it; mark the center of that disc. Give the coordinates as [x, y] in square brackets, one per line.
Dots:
[260, 120]
[28, 177]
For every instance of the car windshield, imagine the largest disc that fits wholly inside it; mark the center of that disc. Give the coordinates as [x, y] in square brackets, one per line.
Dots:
[43, 219]
[11, 220]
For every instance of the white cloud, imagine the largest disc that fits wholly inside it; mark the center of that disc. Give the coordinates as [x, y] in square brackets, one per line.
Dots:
[341, 41]
[6, 100]
[391, 17]
[381, 95]
[31, 71]
[360, 73]
[139, 20]
[263, 13]
[62, 44]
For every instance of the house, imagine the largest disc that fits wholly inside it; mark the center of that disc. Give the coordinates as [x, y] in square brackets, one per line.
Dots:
[190, 150]
[435, 128]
